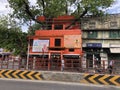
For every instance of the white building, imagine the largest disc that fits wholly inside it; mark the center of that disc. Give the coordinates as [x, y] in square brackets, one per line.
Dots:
[101, 39]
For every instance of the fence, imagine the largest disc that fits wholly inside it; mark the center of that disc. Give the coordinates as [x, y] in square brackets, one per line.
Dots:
[74, 65]
[10, 63]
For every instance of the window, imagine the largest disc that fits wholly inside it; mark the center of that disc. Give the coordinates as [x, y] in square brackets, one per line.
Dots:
[114, 34]
[113, 24]
[58, 27]
[92, 34]
[57, 42]
[71, 50]
[92, 25]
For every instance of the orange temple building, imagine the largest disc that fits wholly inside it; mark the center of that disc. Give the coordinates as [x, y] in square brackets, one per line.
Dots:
[54, 43]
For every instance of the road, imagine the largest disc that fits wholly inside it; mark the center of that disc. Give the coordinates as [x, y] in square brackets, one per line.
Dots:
[12, 84]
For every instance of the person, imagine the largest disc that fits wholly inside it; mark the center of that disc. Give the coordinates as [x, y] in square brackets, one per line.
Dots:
[96, 62]
[110, 67]
[62, 65]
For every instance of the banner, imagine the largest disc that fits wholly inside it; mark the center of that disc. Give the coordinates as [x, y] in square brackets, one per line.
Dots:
[40, 46]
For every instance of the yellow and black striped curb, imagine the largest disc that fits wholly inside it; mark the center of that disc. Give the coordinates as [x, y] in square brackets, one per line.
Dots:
[102, 79]
[19, 74]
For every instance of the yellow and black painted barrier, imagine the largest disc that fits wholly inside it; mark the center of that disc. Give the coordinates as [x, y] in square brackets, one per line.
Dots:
[102, 79]
[19, 74]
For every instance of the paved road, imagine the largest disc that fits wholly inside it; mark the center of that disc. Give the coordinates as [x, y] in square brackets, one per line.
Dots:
[7, 84]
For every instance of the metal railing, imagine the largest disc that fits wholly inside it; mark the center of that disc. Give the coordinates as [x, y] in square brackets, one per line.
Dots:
[70, 65]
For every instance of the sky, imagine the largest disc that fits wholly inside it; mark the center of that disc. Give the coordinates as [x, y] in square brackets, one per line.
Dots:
[115, 8]
[4, 9]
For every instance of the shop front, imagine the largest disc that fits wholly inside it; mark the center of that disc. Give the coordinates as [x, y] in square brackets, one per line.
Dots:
[93, 55]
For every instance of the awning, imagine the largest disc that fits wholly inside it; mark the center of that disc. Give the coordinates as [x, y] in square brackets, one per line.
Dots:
[115, 50]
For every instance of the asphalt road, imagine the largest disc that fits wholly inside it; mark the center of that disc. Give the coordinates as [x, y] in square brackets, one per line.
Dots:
[12, 84]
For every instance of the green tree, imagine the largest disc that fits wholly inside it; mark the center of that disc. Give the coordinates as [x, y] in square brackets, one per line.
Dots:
[11, 36]
[54, 8]
[31, 29]
[22, 9]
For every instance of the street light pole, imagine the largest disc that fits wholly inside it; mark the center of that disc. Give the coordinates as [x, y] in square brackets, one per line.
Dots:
[28, 55]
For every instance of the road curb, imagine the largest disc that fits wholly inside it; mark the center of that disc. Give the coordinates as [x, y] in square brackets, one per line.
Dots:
[104, 79]
[21, 74]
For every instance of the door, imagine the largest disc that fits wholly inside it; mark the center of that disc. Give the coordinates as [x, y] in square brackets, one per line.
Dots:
[55, 61]
[93, 60]
[89, 58]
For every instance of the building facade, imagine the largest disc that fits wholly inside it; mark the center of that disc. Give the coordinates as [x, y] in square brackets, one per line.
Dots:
[101, 39]
[53, 44]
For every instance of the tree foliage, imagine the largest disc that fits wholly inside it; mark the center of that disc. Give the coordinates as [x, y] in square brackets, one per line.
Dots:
[31, 29]
[11, 36]
[53, 8]
[24, 10]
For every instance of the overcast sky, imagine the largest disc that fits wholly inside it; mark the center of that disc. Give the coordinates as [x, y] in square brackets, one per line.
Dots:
[4, 9]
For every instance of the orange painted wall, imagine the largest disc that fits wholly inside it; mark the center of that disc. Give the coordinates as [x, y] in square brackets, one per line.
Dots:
[44, 33]
[76, 51]
[60, 34]
[53, 34]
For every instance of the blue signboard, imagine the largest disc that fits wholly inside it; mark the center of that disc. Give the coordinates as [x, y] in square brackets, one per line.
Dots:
[94, 45]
